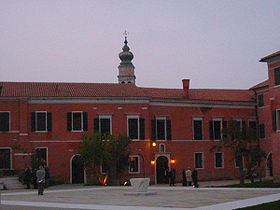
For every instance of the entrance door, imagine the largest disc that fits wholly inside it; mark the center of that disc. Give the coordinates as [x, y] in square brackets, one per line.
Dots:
[77, 170]
[5, 158]
[161, 168]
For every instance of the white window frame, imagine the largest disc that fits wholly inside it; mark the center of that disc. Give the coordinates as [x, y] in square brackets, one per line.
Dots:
[221, 128]
[137, 172]
[82, 121]
[165, 128]
[201, 119]
[160, 145]
[201, 158]
[9, 121]
[223, 160]
[11, 158]
[36, 120]
[138, 126]
[105, 116]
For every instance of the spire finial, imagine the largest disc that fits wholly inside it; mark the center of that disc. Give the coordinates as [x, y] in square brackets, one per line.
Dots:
[125, 36]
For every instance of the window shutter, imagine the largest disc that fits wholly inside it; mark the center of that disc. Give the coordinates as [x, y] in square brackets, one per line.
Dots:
[224, 130]
[69, 121]
[96, 125]
[274, 120]
[168, 129]
[142, 128]
[211, 134]
[85, 121]
[32, 121]
[49, 121]
[244, 128]
[153, 129]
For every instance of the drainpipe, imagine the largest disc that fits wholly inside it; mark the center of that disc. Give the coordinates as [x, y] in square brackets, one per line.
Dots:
[257, 118]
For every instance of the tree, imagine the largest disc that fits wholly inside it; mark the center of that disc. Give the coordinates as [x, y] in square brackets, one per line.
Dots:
[242, 142]
[92, 152]
[106, 151]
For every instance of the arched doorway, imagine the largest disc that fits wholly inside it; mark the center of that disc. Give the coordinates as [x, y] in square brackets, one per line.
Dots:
[161, 168]
[269, 171]
[77, 171]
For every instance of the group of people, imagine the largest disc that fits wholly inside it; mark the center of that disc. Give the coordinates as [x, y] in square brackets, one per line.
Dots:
[38, 177]
[190, 177]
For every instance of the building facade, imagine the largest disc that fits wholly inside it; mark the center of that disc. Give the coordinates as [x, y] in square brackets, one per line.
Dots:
[185, 123]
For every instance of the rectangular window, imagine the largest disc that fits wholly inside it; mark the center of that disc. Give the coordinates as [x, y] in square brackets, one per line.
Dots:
[277, 76]
[219, 160]
[5, 158]
[198, 160]
[42, 153]
[103, 124]
[260, 100]
[215, 129]
[197, 129]
[134, 164]
[4, 121]
[252, 124]
[262, 131]
[161, 129]
[133, 127]
[77, 121]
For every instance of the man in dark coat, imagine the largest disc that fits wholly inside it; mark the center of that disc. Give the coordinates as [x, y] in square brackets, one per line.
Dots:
[27, 177]
[184, 183]
[194, 178]
[172, 175]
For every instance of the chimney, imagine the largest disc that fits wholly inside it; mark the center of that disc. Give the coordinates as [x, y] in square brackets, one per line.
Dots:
[186, 86]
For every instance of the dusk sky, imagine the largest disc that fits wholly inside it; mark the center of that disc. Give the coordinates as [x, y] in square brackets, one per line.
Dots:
[214, 43]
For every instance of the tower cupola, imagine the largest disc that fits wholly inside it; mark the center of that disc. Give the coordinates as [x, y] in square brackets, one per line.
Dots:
[126, 68]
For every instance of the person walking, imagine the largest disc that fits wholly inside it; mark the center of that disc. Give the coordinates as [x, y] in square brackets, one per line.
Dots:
[184, 183]
[172, 175]
[40, 174]
[194, 178]
[189, 177]
[27, 177]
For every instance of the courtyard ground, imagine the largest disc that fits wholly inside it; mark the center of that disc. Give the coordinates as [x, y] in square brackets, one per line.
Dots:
[178, 197]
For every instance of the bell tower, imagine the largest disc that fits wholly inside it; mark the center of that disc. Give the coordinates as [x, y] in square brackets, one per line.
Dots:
[126, 68]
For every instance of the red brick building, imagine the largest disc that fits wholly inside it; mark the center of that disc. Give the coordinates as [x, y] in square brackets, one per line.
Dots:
[185, 123]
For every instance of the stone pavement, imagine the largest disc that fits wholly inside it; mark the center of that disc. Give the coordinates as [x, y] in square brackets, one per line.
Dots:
[178, 197]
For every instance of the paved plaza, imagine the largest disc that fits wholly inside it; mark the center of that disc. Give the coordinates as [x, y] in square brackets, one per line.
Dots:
[178, 197]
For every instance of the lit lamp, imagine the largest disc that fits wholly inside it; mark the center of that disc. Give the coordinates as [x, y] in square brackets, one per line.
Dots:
[154, 144]
[172, 161]
[152, 162]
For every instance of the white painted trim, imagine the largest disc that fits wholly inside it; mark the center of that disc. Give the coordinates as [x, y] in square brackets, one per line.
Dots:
[223, 162]
[201, 158]
[113, 100]
[11, 157]
[138, 163]
[23, 134]
[22, 154]
[162, 144]
[56, 141]
[47, 153]
[9, 121]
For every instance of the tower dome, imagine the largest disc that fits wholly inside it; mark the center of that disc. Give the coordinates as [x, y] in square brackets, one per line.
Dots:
[126, 56]
[126, 68]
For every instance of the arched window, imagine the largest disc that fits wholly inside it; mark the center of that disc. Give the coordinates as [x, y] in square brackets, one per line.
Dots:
[162, 148]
